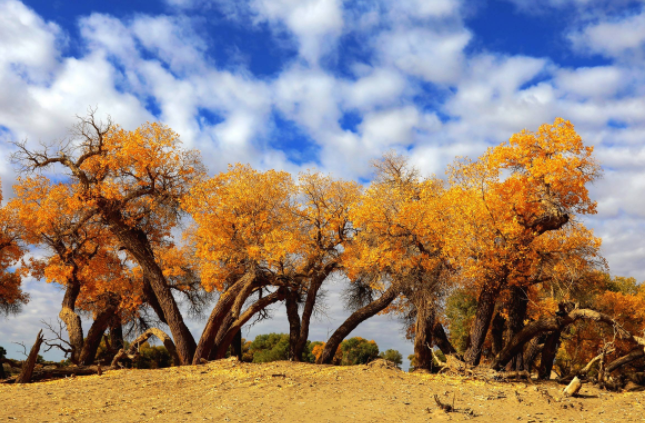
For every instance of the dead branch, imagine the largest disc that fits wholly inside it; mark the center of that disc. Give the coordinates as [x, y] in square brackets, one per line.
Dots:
[133, 352]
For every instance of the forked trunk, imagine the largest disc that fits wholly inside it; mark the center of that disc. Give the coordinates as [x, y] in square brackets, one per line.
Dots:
[204, 350]
[251, 311]
[94, 336]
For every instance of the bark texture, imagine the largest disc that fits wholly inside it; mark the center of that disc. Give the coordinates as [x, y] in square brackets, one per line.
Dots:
[423, 331]
[485, 308]
[137, 243]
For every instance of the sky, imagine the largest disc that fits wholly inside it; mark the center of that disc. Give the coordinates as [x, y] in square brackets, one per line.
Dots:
[330, 85]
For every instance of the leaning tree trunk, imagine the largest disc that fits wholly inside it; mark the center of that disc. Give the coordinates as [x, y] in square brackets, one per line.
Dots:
[218, 315]
[94, 336]
[28, 367]
[251, 311]
[137, 243]
[442, 341]
[423, 330]
[517, 306]
[294, 325]
[485, 308]
[354, 320]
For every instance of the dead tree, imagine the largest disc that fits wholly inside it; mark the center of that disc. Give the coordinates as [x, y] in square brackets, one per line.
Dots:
[28, 367]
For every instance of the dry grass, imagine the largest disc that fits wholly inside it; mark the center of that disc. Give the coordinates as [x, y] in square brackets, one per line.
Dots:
[228, 391]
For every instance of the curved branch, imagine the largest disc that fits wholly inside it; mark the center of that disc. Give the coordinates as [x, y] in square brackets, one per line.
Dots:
[132, 352]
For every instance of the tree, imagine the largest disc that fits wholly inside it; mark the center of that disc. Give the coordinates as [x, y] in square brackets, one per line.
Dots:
[392, 355]
[358, 351]
[11, 251]
[132, 181]
[511, 196]
[323, 217]
[398, 241]
[83, 258]
[246, 241]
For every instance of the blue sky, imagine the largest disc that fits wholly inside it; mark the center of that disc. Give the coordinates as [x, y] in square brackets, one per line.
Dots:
[332, 84]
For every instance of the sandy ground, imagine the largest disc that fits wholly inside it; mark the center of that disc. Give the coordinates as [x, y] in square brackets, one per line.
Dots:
[228, 391]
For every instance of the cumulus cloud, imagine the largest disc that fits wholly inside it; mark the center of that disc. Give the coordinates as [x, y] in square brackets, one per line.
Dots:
[620, 37]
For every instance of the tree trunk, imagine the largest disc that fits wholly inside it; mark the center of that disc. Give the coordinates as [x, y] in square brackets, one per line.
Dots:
[236, 345]
[354, 320]
[236, 326]
[152, 301]
[217, 316]
[116, 334]
[94, 336]
[485, 308]
[221, 334]
[423, 330]
[497, 333]
[72, 320]
[137, 243]
[308, 310]
[532, 350]
[28, 367]
[442, 341]
[294, 325]
[517, 305]
[548, 354]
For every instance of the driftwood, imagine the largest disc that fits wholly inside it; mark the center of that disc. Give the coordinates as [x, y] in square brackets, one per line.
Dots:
[133, 352]
[28, 367]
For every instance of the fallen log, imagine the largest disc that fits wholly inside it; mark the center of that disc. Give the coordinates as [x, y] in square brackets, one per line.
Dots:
[44, 374]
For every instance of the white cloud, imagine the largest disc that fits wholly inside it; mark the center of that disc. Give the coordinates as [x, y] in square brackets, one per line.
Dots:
[433, 56]
[316, 23]
[29, 44]
[596, 82]
[620, 38]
